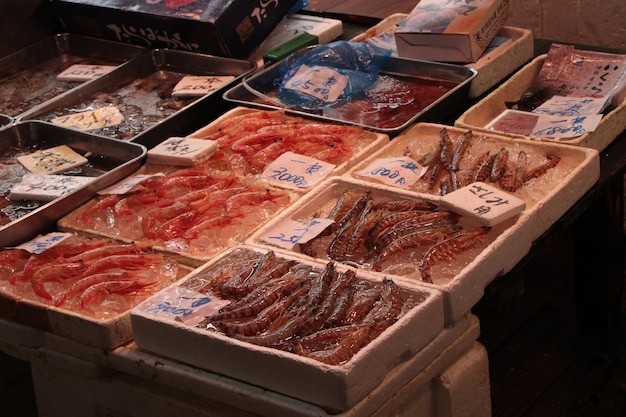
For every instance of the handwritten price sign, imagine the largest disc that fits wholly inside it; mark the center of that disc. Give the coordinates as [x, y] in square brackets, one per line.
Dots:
[401, 172]
[195, 86]
[320, 82]
[92, 119]
[291, 170]
[84, 72]
[289, 233]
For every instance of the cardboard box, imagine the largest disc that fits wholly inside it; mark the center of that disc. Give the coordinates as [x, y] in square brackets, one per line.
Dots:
[447, 31]
[232, 28]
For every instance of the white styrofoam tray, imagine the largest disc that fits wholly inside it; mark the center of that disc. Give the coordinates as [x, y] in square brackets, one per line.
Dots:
[333, 387]
[547, 197]
[373, 140]
[482, 113]
[462, 280]
[493, 66]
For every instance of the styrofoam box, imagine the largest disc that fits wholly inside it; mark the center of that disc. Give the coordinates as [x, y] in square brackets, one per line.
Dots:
[166, 387]
[482, 113]
[547, 198]
[465, 277]
[493, 66]
[375, 140]
[333, 387]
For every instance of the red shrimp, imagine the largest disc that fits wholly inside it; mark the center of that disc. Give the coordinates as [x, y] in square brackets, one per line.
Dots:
[54, 272]
[104, 289]
[82, 284]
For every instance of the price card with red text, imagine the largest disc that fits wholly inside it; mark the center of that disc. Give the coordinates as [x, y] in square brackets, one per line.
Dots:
[484, 203]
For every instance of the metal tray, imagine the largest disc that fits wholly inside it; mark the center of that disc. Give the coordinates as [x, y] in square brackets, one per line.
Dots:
[33, 69]
[109, 161]
[439, 110]
[5, 121]
[174, 122]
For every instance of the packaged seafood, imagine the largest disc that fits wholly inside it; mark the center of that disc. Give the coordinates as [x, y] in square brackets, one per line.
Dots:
[548, 177]
[137, 102]
[350, 221]
[342, 353]
[250, 139]
[82, 288]
[29, 77]
[479, 116]
[193, 212]
[511, 48]
[440, 91]
[107, 161]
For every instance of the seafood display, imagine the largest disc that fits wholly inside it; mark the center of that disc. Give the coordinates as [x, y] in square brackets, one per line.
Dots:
[96, 277]
[316, 312]
[141, 103]
[457, 162]
[249, 140]
[196, 211]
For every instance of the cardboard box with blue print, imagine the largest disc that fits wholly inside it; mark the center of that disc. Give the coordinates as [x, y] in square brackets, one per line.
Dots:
[229, 28]
[450, 30]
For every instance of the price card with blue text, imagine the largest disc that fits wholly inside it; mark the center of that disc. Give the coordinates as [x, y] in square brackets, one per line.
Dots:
[43, 242]
[182, 304]
[323, 83]
[289, 232]
[128, 184]
[484, 203]
[294, 171]
[40, 187]
[401, 172]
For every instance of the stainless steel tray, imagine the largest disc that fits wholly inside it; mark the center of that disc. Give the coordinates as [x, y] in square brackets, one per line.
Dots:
[122, 85]
[109, 161]
[28, 76]
[251, 92]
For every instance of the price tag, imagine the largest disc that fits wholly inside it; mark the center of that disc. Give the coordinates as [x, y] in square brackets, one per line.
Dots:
[484, 203]
[181, 304]
[291, 170]
[571, 106]
[320, 82]
[127, 184]
[92, 119]
[401, 172]
[182, 151]
[40, 187]
[565, 127]
[290, 232]
[52, 160]
[43, 242]
[195, 86]
[84, 72]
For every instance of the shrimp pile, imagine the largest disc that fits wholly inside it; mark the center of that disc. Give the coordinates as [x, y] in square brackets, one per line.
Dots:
[192, 210]
[315, 312]
[376, 233]
[87, 275]
[450, 166]
[249, 141]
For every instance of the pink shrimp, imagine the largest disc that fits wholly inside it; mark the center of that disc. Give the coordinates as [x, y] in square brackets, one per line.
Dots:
[99, 205]
[124, 262]
[104, 289]
[54, 272]
[82, 284]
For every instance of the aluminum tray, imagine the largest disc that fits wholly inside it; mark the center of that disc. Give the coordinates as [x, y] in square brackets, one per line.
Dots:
[439, 110]
[176, 122]
[39, 64]
[109, 161]
[493, 66]
[333, 387]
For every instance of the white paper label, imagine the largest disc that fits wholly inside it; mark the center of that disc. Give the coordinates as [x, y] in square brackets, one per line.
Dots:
[320, 82]
[46, 187]
[84, 72]
[290, 232]
[570, 106]
[127, 184]
[193, 86]
[52, 160]
[43, 242]
[565, 127]
[178, 303]
[182, 151]
[484, 203]
[291, 170]
[92, 119]
[401, 172]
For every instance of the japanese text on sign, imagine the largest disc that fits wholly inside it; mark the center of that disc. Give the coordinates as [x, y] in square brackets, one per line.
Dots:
[291, 170]
[84, 72]
[192, 85]
[127, 184]
[43, 242]
[401, 172]
[179, 303]
[320, 82]
[92, 119]
[290, 232]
